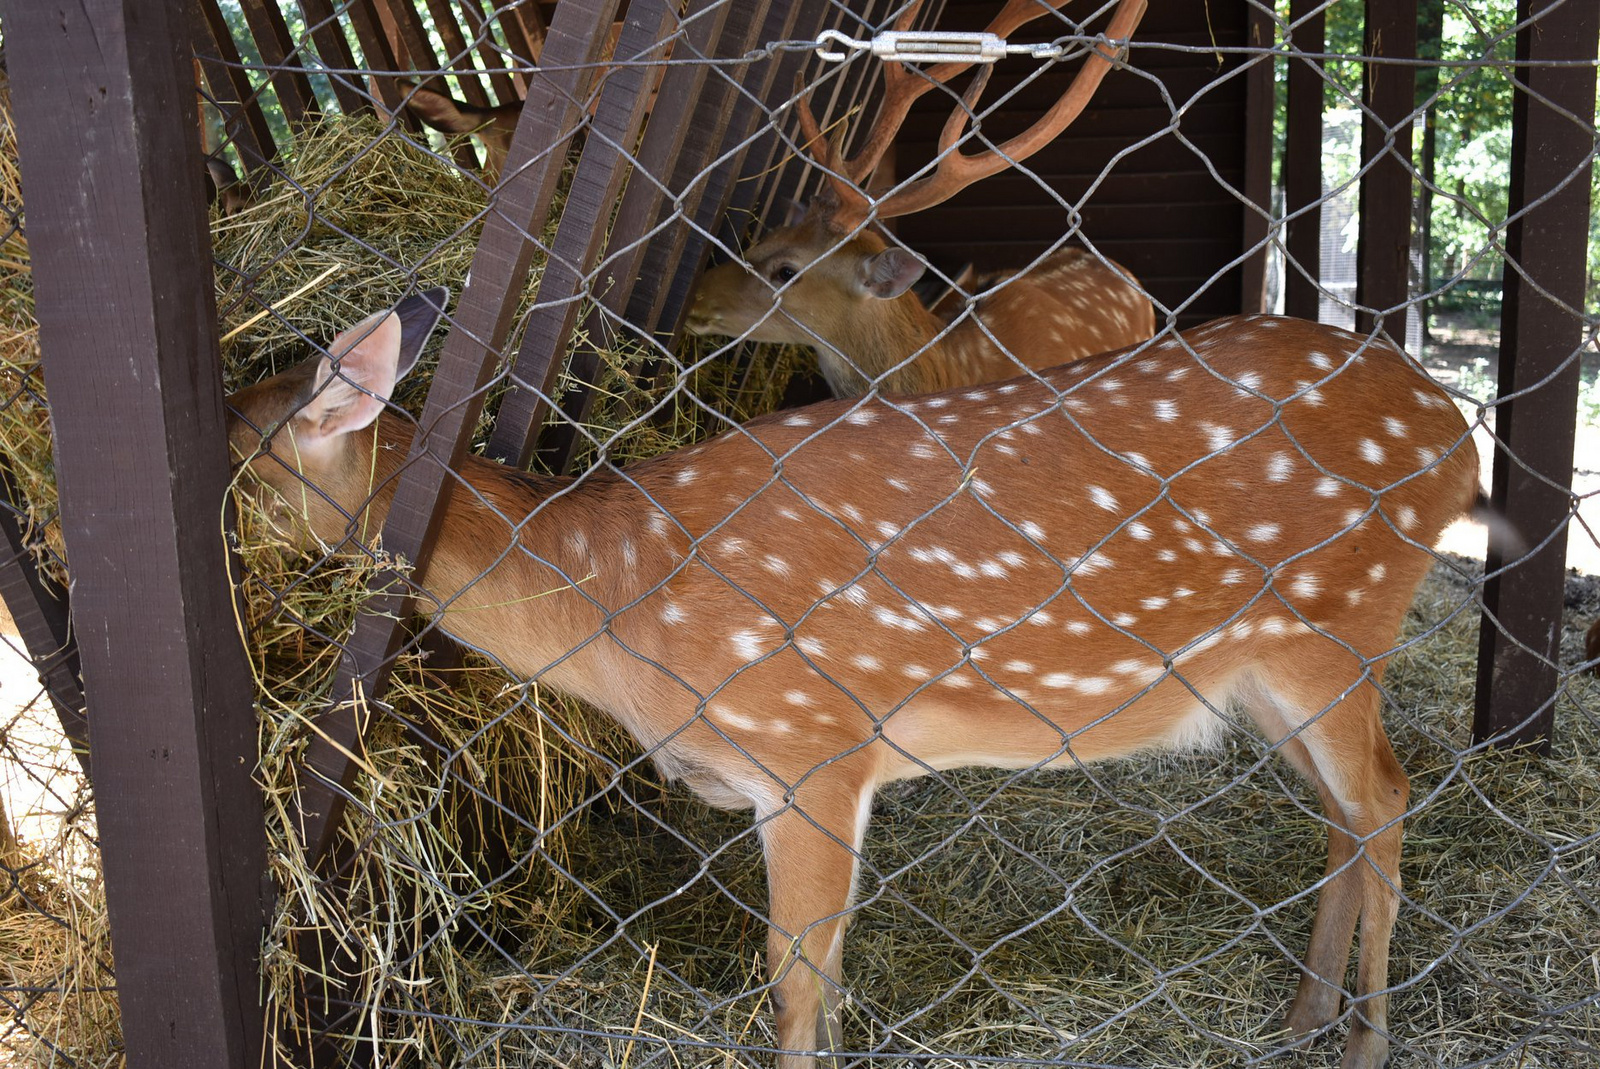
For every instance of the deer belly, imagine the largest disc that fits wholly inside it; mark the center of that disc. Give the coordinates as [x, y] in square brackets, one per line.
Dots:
[1054, 733]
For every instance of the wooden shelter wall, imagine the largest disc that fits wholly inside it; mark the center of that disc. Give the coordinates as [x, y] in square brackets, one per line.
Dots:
[1159, 210]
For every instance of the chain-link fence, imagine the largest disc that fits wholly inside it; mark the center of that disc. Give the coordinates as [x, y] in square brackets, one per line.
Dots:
[697, 669]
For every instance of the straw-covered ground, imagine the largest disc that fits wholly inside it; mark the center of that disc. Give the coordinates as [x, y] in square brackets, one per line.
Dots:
[518, 901]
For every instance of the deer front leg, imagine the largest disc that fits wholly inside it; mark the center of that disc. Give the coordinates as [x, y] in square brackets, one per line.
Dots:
[812, 849]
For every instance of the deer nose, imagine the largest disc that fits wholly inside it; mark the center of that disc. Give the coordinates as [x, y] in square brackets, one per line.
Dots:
[702, 317]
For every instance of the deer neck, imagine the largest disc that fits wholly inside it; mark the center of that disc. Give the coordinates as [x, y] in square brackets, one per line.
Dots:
[583, 554]
[883, 337]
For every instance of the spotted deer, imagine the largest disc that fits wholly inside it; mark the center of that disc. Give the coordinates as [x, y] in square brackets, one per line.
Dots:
[833, 283]
[1040, 573]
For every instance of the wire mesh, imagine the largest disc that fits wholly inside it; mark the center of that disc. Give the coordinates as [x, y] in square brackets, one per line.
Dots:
[827, 615]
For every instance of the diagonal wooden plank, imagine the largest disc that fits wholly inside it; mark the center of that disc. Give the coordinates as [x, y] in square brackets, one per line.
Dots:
[38, 606]
[646, 37]
[482, 321]
[127, 323]
[641, 208]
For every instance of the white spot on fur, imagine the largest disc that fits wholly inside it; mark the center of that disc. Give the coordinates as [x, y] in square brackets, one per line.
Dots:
[1264, 532]
[1395, 427]
[1279, 468]
[1103, 497]
[1371, 451]
[1139, 530]
[1166, 411]
[1377, 572]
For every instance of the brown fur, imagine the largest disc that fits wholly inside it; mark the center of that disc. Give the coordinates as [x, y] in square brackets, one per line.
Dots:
[982, 576]
[1069, 306]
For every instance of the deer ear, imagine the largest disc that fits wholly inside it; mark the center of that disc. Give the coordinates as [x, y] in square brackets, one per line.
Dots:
[890, 273]
[353, 381]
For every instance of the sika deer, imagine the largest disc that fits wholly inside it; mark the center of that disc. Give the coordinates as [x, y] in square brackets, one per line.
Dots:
[1025, 575]
[832, 283]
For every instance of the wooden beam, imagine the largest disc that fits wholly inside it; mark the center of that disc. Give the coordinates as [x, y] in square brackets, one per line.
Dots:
[1302, 162]
[482, 322]
[127, 325]
[1541, 341]
[1383, 249]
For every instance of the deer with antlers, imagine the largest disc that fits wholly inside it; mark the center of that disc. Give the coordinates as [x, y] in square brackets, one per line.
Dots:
[832, 283]
[1094, 562]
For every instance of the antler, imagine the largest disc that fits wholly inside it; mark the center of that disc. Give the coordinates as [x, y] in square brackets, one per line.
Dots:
[955, 170]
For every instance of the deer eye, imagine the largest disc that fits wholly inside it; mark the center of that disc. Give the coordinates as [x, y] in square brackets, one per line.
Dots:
[784, 272]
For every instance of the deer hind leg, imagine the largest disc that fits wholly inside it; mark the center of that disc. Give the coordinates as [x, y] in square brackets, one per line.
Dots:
[813, 849]
[1346, 756]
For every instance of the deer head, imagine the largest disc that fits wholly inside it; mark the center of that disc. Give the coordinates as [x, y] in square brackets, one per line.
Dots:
[832, 282]
[308, 435]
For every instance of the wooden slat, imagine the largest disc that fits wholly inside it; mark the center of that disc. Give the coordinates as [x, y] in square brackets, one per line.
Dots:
[334, 51]
[1302, 163]
[505, 88]
[1383, 248]
[377, 52]
[38, 606]
[239, 102]
[276, 47]
[581, 234]
[420, 56]
[639, 212]
[482, 321]
[1542, 331]
[455, 43]
[708, 191]
[127, 324]
[530, 30]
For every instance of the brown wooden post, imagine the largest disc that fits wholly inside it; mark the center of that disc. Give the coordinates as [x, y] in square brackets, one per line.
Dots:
[1302, 163]
[127, 322]
[1552, 142]
[1257, 186]
[1388, 90]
